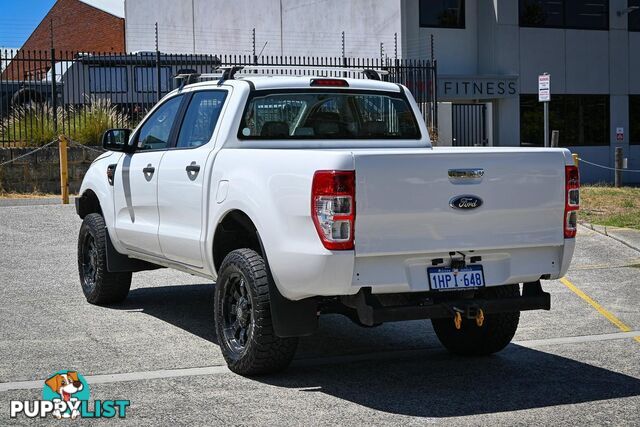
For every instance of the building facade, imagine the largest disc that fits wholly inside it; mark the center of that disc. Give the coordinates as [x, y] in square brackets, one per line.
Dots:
[489, 53]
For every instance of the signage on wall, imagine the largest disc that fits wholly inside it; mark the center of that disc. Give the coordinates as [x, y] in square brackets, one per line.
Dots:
[544, 87]
[619, 134]
[452, 87]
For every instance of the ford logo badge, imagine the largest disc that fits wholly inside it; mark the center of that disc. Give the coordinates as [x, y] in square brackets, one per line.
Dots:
[465, 202]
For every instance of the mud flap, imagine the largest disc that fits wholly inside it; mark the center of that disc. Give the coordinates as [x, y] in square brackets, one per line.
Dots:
[119, 263]
[292, 318]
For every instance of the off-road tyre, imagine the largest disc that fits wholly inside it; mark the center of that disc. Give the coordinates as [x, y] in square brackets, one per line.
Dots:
[260, 351]
[99, 286]
[495, 334]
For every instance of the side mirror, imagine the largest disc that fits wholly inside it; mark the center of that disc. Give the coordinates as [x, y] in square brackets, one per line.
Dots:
[117, 140]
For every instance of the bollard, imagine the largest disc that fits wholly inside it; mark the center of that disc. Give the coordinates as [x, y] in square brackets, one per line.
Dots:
[64, 171]
[618, 174]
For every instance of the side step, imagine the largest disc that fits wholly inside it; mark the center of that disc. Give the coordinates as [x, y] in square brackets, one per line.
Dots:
[370, 312]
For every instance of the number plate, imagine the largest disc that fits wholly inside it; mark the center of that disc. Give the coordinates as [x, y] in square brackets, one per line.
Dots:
[446, 278]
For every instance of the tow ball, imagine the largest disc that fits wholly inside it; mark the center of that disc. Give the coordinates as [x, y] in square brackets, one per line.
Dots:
[471, 312]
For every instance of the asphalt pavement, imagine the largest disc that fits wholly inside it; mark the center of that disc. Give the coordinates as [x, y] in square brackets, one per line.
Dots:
[576, 364]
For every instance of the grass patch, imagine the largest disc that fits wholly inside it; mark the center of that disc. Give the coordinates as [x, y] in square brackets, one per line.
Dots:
[33, 124]
[610, 206]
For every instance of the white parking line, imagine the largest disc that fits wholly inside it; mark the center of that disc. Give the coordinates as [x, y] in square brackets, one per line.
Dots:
[576, 340]
[129, 376]
[216, 370]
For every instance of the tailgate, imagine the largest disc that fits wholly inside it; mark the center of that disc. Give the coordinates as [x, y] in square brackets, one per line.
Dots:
[403, 200]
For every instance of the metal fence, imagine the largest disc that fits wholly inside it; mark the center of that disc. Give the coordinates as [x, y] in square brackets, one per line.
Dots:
[44, 93]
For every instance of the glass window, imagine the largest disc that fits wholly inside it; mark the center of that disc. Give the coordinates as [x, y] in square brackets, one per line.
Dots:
[442, 13]
[156, 130]
[201, 118]
[578, 14]
[147, 77]
[107, 79]
[328, 115]
[581, 119]
[634, 15]
[634, 119]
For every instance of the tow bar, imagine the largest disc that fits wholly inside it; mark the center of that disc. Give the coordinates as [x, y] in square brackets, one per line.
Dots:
[370, 311]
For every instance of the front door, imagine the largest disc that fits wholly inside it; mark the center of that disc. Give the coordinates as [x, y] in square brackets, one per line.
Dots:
[136, 181]
[183, 178]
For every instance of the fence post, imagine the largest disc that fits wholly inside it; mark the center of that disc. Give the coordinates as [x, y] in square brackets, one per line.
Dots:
[64, 170]
[618, 175]
[54, 91]
[158, 69]
[576, 159]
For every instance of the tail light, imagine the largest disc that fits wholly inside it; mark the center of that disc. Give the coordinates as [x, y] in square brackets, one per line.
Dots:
[329, 83]
[333, 208]
[572, 201]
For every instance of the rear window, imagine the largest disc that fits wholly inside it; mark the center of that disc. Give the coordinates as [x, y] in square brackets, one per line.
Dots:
[320, 114]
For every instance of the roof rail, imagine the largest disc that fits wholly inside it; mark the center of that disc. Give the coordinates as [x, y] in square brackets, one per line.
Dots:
[229, 73]
[370, 73]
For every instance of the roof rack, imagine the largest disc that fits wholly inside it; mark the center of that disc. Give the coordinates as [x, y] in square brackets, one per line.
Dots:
[229, 73]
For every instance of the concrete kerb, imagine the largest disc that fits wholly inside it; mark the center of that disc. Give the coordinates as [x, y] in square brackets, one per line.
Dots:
[626, 236]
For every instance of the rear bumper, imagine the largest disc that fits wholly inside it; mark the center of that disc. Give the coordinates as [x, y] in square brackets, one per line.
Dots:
[370, 313]
[300, 275]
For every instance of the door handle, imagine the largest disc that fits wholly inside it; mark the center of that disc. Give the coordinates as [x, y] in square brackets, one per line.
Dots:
[148, 172]
[192, 170]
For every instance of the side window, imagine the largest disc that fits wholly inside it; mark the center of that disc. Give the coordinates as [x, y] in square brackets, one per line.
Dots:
[156, 130]
[201, 118]
[382, 117]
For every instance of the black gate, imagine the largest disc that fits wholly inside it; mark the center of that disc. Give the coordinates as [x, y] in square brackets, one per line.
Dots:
[469, 125]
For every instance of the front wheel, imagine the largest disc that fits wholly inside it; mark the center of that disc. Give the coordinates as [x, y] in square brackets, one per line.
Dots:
[242, 311]
[98, 284]
[495, 333]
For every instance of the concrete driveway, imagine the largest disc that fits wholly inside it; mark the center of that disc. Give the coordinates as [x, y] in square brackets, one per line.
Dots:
[576, 364]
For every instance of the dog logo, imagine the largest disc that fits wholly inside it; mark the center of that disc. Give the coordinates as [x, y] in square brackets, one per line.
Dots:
[68, 387]
[66, 395]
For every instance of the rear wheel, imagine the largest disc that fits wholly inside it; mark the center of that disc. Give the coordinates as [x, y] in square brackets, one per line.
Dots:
[243, 317]
[496, 331]
[98, 284]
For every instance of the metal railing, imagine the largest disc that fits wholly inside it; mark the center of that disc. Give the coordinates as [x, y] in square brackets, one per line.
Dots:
[46, 93]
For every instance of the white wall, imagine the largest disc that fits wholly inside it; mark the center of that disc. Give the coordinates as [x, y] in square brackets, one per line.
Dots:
[456, 50]
[309, 28]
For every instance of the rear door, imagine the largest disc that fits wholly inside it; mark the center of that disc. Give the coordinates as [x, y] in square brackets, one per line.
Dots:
[182, 178]
[136, 180]
[403, 200]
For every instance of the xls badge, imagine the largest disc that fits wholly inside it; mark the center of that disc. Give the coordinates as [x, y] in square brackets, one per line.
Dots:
[466, 201]
[66, 395]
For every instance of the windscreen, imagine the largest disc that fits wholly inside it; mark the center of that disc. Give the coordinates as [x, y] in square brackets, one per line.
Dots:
[320, 114]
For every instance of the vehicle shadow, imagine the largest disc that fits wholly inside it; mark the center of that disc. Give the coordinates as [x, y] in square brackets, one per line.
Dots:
[434, 384]
[400, 368]
[189, 307]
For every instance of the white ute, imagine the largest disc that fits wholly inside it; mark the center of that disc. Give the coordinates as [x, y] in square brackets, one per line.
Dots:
[301, 196]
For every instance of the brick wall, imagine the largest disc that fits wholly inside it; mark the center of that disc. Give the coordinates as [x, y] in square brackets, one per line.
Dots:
[41, 171]
[77, 27]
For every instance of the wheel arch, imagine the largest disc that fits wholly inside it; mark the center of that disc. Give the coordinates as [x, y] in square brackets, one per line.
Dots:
[26, 95]
[235, 230]
[88, 203]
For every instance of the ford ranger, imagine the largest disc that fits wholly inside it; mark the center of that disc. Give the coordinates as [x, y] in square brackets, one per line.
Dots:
[301, 196]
